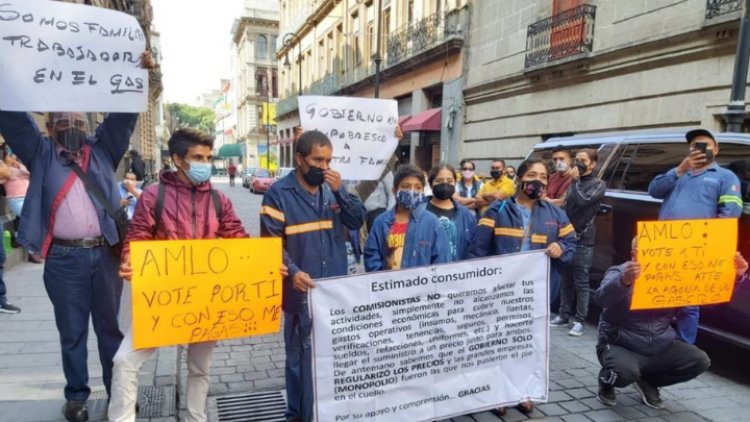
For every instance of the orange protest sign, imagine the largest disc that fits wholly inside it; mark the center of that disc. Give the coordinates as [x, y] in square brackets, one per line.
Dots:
[188, 291]
[684, 263]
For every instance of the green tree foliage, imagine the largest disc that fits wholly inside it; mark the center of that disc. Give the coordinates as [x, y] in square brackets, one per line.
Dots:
[184, 115]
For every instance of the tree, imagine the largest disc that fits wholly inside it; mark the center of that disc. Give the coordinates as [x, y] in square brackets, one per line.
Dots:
[184, 115]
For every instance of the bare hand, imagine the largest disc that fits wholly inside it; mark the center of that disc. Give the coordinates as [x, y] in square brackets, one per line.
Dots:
[574, 173]
[631, 273]
[399, 133]
[333, 178]
[302, 282]
[740, 264]
[147, 62]
[554, 250]
[695, 159]
[126, 271]
[284, 271]
[124, 202]
[297, 132]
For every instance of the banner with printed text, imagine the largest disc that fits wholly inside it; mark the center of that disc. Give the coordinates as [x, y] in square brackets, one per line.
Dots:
[57, 56]
[430, 343]
[685, 263]
[362, 131]
[188, 291]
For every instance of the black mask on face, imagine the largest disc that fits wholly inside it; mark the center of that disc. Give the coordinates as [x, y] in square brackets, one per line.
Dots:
[443, 191]
[314, 176]
[496, 174]
[534, 189]
[71, 139]
[582, 169]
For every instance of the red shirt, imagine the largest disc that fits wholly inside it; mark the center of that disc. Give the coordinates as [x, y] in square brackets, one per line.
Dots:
[558, 185]
[396, 241]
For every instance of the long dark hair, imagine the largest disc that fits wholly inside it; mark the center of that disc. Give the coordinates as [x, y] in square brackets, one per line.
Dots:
[435, 170]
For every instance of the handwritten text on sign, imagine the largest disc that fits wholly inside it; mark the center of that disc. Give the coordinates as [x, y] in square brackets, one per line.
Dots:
[57, 56]
[188, 291]
[362, 131]
[429, 343]
[685, 262]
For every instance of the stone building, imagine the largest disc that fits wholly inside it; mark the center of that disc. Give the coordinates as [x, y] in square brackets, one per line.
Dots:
[556, 67]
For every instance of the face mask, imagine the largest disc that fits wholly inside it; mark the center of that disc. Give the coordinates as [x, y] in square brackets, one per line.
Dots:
[496, 174]
[467, 174]
[534, 189]
[198, 172]
[582, 168]
[511, 175]
[409, 199]
[561, 166]
[71, 140]
[314, 176]
[443, 191]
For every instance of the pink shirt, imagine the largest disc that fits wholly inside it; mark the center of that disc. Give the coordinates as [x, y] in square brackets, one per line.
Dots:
[76, 217]
[18, 183]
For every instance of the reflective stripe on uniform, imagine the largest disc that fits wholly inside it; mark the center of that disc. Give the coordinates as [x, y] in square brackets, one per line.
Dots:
[566, 230]
[487, 222]
[507, 231]
[539, 238]
[730, 199]
[273, 213]
[309, 227]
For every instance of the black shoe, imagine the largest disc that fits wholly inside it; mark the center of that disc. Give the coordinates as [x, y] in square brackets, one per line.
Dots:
[649, 394]
[75, 411]
[606, 394]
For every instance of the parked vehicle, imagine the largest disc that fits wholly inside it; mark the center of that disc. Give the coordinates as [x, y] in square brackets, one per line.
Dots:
[260, 181]
[628, 161]
[247, 174]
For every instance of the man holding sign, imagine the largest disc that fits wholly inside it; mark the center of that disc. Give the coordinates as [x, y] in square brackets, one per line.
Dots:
[697, 189]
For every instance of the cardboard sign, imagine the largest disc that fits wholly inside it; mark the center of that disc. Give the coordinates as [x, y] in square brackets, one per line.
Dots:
[426, 344]
[362, 131]
[188, 291]
[685, 263]
[57, 56]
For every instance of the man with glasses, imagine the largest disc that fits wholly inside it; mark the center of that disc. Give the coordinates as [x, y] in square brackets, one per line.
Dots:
[62, 221]
[498, 188]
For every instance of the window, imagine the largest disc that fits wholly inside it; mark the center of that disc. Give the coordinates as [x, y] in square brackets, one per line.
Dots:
[649, 161]
[273, 45]
[321, 59]
[261, 82]
[261, 47]
[410, 12]
[357, 53]
[275, 85]
[340, 49]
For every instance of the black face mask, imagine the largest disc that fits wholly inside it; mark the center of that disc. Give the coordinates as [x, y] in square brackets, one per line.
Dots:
[443, 191]
[314, 176]
[71, 139]
[496, 174]
[582, 169]
[534, 189]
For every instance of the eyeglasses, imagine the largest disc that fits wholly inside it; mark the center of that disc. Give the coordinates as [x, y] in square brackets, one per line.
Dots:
[467, 169]
[496, 168]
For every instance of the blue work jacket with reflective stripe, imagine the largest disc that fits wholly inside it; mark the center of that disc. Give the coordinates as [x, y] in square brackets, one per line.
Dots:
[712, 193]
[312, 236]
[466, 225]
[426, 242]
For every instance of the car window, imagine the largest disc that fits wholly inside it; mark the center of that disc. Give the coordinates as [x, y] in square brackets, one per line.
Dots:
[262, 173]
[649, 161]
[617, 167]
[603, 150]
[736, 157]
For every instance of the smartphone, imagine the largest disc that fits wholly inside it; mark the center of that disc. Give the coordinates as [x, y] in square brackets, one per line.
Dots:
[701, 146]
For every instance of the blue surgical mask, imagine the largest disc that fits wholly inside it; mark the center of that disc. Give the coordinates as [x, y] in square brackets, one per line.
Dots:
[198, 172]
[409, 199]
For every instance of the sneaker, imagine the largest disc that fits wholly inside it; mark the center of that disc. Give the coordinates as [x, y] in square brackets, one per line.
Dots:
[9, 309]
[649, 394]
[577, 330]
[606, 394]
[558, 321]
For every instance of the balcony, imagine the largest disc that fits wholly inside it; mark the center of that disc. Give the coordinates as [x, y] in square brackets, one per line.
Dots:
[286, 106]
[564, 35]
[716, 8]
[432, 31]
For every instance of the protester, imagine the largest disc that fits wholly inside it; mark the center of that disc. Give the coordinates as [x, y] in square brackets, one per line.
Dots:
[5, 306]
[581, 206]
[164, 213]
[381, 199]
[129, 193]
[406, 236]
[469, 185]
[697, 189]
[497, 189]
[232, 172]
[524, 223]
[561, 179]
[137, 166]
[75, 233]
[458, 222]
[15, 193]
[641, 347]
[309, 210]
[510, 172]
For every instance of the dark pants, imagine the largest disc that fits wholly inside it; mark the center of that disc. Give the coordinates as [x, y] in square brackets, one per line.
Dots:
[83, 282]
[3, 291]
[679, 363]
[299, 386]
[231, 180]
[575, 285]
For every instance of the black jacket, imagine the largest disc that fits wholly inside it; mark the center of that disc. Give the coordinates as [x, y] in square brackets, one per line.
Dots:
[582, 204]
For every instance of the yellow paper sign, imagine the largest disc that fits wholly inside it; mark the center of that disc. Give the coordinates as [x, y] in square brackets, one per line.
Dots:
[189, 291]
[685, 263]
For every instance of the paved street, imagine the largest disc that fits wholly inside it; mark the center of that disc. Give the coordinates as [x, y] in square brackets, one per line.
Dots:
[32, 380]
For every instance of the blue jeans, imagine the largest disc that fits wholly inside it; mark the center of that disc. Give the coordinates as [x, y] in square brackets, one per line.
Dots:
[16, 205]
[3, 291]
[687, 323]
[575, 286]
[82, 283]
[299, 387]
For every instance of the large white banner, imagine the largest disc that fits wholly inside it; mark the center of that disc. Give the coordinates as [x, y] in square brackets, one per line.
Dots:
[362, 130]
[430, 343]
[57, 56]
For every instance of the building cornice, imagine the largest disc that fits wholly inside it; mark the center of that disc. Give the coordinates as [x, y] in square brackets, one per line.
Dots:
[326, 6]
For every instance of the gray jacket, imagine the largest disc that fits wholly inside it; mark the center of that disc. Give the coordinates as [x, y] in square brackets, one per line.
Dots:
[646, 332]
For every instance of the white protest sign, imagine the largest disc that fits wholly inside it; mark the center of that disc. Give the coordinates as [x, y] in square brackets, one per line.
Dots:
[430, 343]
[362, 131]
[57, 56]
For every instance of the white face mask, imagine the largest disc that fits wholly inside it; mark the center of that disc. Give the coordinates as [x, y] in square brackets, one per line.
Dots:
[467, 174]
[561, 166]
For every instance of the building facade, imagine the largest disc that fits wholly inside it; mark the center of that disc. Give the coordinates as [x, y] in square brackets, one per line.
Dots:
[554, 67]
[326, 47]
[256, 81]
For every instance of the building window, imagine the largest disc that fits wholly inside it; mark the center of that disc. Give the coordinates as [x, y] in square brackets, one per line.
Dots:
[357, 53]
[275, 85]
[261, 82]
[261, 47]
[410, 12]
[273, 45]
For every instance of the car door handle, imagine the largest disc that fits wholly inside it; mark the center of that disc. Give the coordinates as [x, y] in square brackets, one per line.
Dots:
[604, 209]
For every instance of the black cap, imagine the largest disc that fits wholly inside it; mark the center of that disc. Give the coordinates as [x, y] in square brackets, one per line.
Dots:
[692, 134]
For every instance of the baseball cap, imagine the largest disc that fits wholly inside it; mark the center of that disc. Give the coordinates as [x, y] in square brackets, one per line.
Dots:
[692, 134]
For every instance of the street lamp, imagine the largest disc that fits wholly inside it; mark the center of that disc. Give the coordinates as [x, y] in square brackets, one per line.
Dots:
[262, 75]
[287, 41]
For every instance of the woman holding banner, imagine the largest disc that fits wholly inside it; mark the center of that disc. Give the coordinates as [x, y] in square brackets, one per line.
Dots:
[525, 223]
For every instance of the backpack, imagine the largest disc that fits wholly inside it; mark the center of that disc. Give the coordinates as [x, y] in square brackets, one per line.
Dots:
[160, 205]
